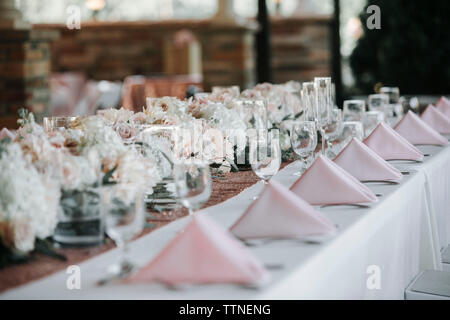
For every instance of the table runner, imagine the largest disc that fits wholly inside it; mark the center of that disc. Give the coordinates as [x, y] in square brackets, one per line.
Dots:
[400, 235]
[224, 187]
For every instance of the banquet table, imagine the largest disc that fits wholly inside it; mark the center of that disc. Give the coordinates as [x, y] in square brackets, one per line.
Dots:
[399, 235]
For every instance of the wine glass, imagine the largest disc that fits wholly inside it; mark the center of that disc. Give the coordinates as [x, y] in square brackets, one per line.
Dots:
[333, 130]
[354, 110]
[371, 121]
[322, 88]
[122, 206]
[252, 112]
[378, 102]
[192, 183]
[350, 130]
[304, 141]
[265, 156]
[394, 107]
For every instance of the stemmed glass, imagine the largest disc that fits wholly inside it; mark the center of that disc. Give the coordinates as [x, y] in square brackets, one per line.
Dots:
[354, 110]
[309, 101]
[371, 121]
[304, 141]
[378, 102]
[350, 130]
[122, 206]
[323, 104]
[265, 156]
[333, 130]
[192, 183]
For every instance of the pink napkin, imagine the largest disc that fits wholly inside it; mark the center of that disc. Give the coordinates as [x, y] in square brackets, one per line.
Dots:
[416, 131]
[436, 119]
[364, 164]
[443, 105]
[203, 253]
[279, 213]
[390, 145]
[5, 133]
[327, 183]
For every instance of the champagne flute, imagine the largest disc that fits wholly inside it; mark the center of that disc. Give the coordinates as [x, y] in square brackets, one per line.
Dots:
[304, 141]
[193, 183]
[122, 206]
[323, 104]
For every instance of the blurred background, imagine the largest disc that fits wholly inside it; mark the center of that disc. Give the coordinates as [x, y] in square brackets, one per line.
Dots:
[64, 57]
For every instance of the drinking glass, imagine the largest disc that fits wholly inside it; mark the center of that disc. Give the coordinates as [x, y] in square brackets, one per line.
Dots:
[354, 110]
[350, 130]
[378, 102]
[371, 121]
[265, 156]
[309, 101]
[253, 113]
[157, 142]
[55, 123]
[333, 130]
[234, 91]
[122, 207]
[392, 92]
[304, 141]
[193, 183]
[322, 88]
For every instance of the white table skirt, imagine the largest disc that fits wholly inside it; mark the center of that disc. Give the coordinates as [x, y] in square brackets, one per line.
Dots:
[402, 234]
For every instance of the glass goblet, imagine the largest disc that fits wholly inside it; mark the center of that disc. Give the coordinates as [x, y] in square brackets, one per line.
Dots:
[192, 183]
[371, 121]
[265, 157]
[122, 207]
[304, 141]
[354, 110]
[333, 130]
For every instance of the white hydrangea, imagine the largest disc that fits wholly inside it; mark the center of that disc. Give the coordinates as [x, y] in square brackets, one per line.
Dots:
[29, 201]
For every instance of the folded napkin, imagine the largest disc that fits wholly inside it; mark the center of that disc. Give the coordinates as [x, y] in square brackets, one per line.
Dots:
[5, 133]
[416, 131]
[443, 105]
[436, 119]
[326, 183]
[203, 253]
[364, 164]
[279, 213]
[390, 145]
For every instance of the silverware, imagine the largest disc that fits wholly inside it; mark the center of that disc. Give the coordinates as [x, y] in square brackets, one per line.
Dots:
[381, 181]
[364, 206]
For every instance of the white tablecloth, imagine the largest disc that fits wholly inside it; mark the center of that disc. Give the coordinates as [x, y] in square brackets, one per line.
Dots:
[401, 235]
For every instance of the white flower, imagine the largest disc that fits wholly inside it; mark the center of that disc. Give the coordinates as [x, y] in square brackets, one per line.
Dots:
[29, 201]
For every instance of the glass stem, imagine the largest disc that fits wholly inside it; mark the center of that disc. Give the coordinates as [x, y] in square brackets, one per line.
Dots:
[322, 132]
[191, 212]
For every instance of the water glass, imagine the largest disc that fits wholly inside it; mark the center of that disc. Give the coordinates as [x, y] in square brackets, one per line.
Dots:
[333, 130]
[304, 141]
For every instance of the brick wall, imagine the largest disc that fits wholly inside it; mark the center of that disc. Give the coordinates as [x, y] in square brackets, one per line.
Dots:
[112, 51]
[301, 48]
[24, 70]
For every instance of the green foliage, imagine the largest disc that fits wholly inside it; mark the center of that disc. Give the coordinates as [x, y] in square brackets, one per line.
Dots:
[411, 50]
